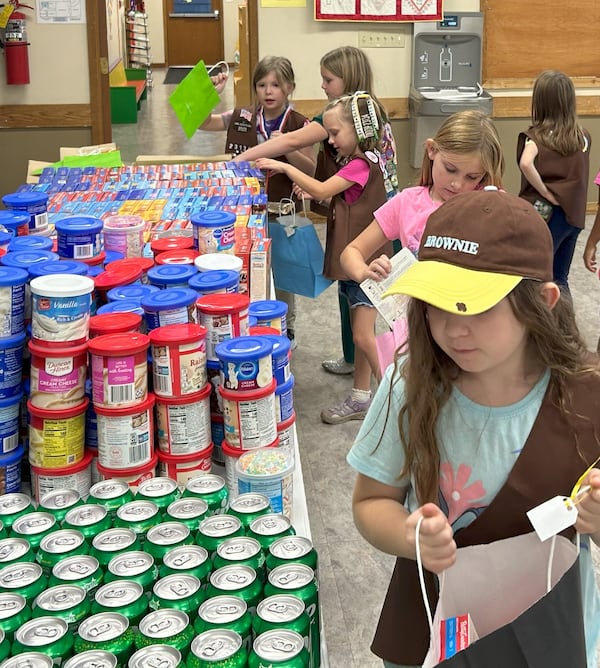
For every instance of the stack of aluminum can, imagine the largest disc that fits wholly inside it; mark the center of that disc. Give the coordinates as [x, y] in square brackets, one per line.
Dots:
[182, 576]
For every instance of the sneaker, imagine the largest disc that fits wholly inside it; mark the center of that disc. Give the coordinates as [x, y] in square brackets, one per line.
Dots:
[339, 367]
[291, 334]
[345, 410]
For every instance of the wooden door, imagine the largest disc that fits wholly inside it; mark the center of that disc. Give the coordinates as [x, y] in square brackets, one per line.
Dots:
[193, 31]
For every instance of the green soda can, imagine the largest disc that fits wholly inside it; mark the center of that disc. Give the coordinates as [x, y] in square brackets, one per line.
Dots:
[93, 658]
[137, 566]
[111, 493]
[15, 550]
[225, 612]
[241, 550]
[269, 528]
[13, 505]
[189, 511]
[249, 506]
[33, 527]
[69, 602]
[188, 559]
[166, 627]
[163, 537]
[138, 515]
[14, 612]
[180, 591]
[282, 611]
[217, 648]
[278, 648]
[110, 542]
[49, 635]
[293, 549]
[28, 660]
[60, 544]
[82, 570]
[26, 578]
[160, 490]
[3, 530]
[124, 596]
[236, 580]
[152, 656]
[108, 631]
[90, 519]
[211, 488]
[299, 580]
[58, 502]
[215, 529]
[4, 646]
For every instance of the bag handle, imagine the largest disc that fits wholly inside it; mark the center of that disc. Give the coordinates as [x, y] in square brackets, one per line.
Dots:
[422, 577]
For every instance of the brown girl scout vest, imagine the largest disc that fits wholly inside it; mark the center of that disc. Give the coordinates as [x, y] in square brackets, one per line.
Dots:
[553, 457]
[241, 135]
[346, 221]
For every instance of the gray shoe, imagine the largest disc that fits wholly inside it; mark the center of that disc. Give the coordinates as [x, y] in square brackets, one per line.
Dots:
[349, 409]
[339, 367]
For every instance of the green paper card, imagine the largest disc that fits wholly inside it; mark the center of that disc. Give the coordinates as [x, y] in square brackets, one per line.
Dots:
[194, 99]
[108, 159]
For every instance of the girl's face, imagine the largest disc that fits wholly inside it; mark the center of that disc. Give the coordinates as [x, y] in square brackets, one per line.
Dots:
[342, 135]
[491, 342]
[453, 173]
[332, 86]
[271, 95]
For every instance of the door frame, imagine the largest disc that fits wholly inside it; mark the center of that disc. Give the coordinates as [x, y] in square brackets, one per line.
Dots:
[97, 42]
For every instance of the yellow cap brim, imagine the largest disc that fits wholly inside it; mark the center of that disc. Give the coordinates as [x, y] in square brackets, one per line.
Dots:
[453, 289]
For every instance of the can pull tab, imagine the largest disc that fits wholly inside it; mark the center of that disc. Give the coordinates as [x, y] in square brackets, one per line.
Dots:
[115, 593]
[287, 578]
[157, 662]
[179, 589]
[166, 532]
[98, 630]
[223, 524]
[161, 625]
[46, 632]
[132, 563]
[225, 609]
[182, 560]
[277, 608]
[213, 648]
[80, 569]
[236, 578]
[8, 605]
[282, 646]
[234, 549]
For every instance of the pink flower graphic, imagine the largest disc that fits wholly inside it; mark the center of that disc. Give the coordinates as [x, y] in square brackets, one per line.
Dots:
[458, 494]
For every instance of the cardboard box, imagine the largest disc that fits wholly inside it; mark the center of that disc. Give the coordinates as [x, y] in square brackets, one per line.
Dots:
[456, 634]
[243, 250]
[260, 270]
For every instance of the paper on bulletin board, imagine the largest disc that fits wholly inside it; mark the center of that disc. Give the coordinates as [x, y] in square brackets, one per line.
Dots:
[60, 11]
[283, 3]
[194, 99]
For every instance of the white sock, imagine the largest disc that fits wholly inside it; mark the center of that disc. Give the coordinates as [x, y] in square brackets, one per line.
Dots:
[360, 395]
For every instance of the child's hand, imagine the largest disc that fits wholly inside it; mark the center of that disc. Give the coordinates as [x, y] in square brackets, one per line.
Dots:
[271, 165]
[379, 268]
[588, 518]
[301, 194]
[589, 257]
[436, 541]
[220, 81]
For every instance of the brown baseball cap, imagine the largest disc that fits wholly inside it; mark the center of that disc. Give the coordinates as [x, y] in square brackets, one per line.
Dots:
[476, 248]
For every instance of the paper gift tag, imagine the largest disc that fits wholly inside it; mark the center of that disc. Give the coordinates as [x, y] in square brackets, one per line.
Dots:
[553, 516]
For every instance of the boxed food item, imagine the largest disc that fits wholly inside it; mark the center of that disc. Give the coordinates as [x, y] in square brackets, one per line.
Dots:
[260, 270]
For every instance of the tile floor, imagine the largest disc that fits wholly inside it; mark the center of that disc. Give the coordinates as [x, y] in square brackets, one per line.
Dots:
[353, 575]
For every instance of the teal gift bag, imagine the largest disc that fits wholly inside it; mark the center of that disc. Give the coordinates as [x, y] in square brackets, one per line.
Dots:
[297, 256]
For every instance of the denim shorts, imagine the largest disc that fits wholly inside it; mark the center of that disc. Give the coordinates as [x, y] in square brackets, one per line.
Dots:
[354, 294]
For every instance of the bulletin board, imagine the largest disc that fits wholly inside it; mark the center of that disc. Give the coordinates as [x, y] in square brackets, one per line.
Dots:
[378, 10]
[524, 38]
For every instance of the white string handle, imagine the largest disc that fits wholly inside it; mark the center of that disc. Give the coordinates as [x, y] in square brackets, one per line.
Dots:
[421, 576]
[221, 66]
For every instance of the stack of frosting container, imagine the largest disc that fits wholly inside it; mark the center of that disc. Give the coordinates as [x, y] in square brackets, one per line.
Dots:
[60, 314]
[12, 341]
[182, 400]
[247, 392]
[123, 406]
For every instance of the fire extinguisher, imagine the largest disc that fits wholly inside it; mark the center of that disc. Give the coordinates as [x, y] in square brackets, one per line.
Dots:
[15, 47]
